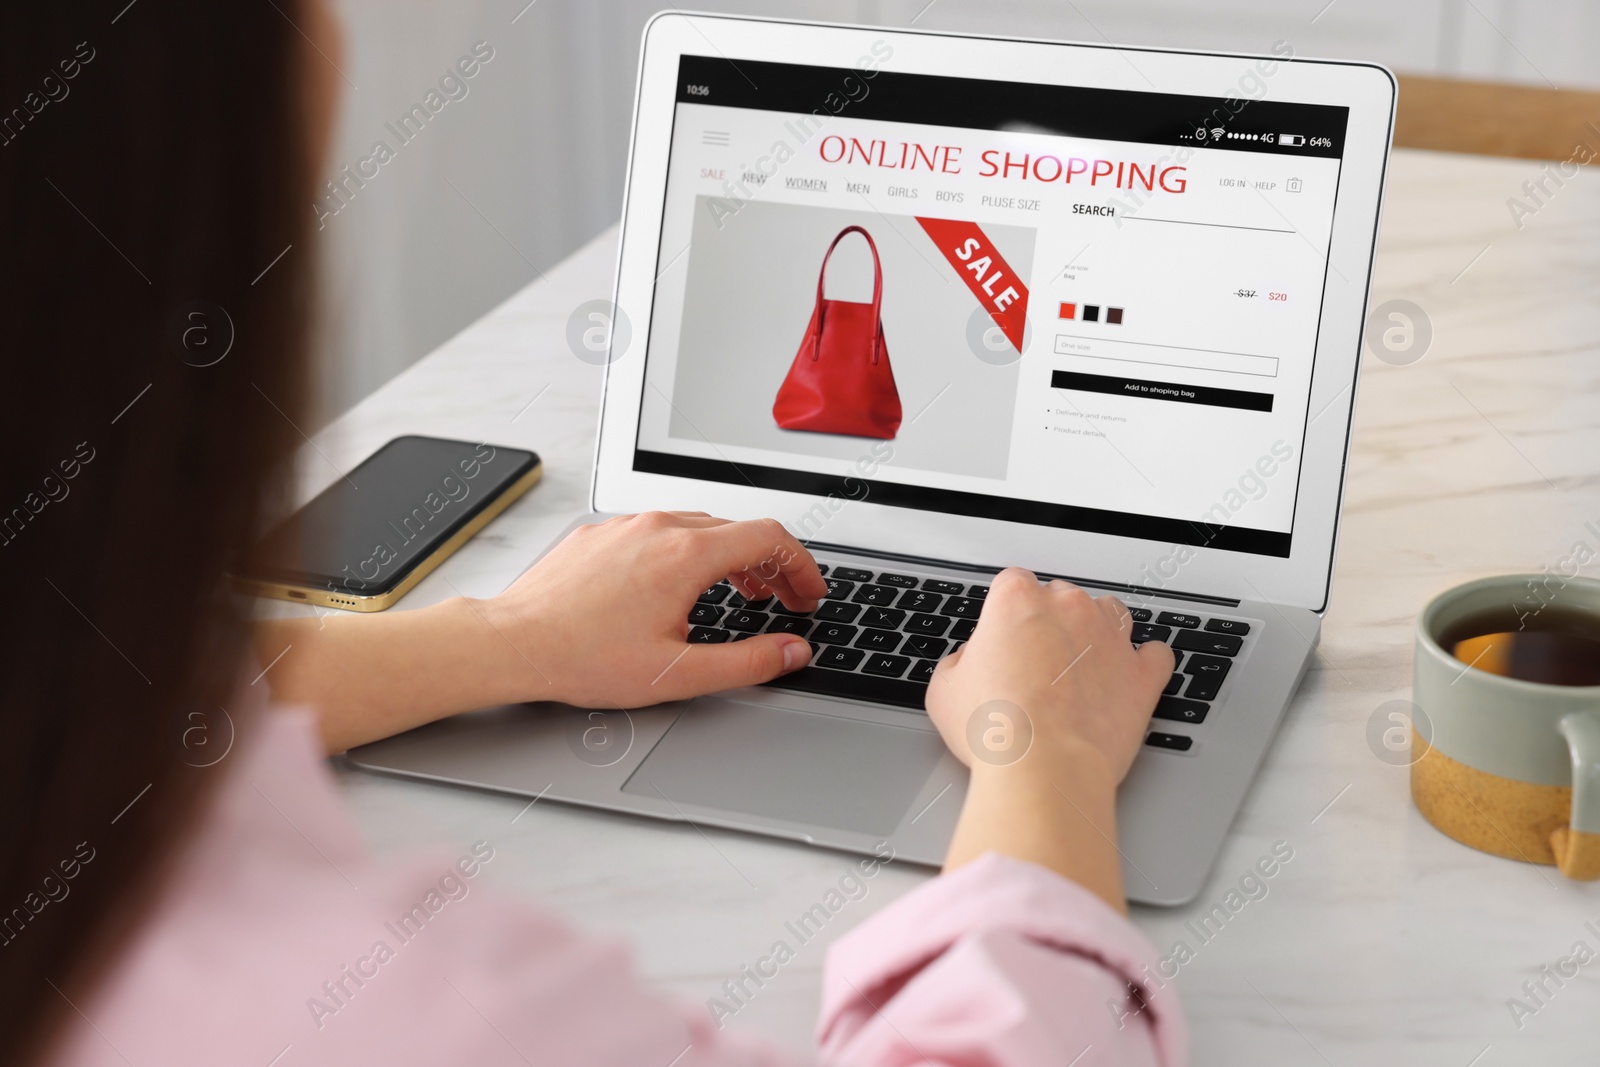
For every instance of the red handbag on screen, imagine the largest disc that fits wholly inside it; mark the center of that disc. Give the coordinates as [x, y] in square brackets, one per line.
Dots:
[840, 381]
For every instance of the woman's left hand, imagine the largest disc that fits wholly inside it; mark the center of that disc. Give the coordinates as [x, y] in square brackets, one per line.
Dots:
[602, 620]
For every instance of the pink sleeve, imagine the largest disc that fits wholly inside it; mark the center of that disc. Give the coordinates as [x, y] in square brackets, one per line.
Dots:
[998, 963]
[281, 941]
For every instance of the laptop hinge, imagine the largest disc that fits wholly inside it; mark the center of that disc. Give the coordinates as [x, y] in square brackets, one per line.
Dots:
[945, 564]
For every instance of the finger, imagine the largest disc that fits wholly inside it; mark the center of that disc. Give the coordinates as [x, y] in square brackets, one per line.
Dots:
[768, 581]
[754, 588]
[780, 586]
[1014, 580]
[1156, 662]
[1065, 596]
[1115, 610]
[772, 554]
[747, 586]
[701, 669]
[1012, 586]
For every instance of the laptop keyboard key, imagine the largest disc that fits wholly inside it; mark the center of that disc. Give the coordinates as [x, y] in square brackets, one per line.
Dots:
[885, 666]
[833, 633]
[1213, 665]
[1140, 614]
[704, 615]
[902, 581]
[915, 601]
[895, 692]
[877, 595]
[1204, 687]
[1181, 710]
[744, 621]
[977, 592]
[1178, 618]
[789, 625]
[934, 585]
[1176, 742]
[922, 671]
[716, 594]
[834, 611]
[782, 610]
[737, 600]
[1149, 631]
[840, 659]
[963, 629]
[1228, 626]
[878, 640]
[838, 588]
[704, 635]
[852, 574]
[1211, 644]
[929, 625]
[962, 607]
[925, 647]
[1174, 684]
[883, 618]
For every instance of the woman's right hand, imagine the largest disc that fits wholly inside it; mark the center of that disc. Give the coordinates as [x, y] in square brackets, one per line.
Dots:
[1047, 704]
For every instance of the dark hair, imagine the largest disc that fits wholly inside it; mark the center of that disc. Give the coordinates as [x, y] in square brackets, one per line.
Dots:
[154, 201]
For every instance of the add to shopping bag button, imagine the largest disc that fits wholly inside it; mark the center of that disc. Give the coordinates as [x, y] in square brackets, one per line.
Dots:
[1175, 392]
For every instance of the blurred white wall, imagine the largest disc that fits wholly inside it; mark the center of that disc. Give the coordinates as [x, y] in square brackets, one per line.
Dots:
[510, 177]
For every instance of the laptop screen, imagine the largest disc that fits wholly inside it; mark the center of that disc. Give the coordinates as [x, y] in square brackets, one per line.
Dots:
[1071, 307]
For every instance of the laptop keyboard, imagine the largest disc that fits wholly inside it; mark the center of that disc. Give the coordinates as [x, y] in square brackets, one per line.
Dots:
[878, 635]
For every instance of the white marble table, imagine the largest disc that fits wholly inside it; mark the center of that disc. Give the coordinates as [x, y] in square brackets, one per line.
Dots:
[1381, 941]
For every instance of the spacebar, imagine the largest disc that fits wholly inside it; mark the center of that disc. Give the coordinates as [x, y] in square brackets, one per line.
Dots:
[895, 691]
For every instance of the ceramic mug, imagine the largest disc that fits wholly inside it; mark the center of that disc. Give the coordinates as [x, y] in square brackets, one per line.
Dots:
[1507, 766]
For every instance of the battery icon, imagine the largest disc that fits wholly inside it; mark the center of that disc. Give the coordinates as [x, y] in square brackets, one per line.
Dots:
[1291, 139]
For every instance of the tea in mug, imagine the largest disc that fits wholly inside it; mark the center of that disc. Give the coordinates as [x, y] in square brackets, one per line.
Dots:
[1554, 646]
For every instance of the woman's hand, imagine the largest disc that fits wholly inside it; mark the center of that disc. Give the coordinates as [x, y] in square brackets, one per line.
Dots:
[602, 620]
[1047, 704]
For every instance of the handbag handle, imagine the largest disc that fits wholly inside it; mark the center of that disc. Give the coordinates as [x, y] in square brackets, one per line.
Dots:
[877, 289]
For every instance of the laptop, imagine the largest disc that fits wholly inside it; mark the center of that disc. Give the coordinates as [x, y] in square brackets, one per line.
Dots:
[943, 304]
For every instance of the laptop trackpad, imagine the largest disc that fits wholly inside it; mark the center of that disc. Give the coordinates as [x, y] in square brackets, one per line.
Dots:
[820, 770]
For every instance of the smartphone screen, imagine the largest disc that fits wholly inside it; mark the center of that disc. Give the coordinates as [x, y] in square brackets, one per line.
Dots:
[372, 526]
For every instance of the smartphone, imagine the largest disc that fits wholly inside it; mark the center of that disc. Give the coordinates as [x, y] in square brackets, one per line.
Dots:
[380, 529]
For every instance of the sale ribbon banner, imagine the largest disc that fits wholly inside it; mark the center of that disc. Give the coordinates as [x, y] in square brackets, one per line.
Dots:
[999, 289]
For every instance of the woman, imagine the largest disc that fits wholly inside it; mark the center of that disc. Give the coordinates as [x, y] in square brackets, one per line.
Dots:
[165, 907]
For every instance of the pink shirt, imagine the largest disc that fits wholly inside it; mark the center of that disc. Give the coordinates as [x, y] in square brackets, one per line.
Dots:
[281, 943]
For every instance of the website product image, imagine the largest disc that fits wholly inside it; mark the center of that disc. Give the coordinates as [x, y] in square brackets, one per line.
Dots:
[841, 381]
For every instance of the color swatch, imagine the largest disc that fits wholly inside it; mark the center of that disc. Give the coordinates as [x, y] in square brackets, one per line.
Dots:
[1091, 313]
